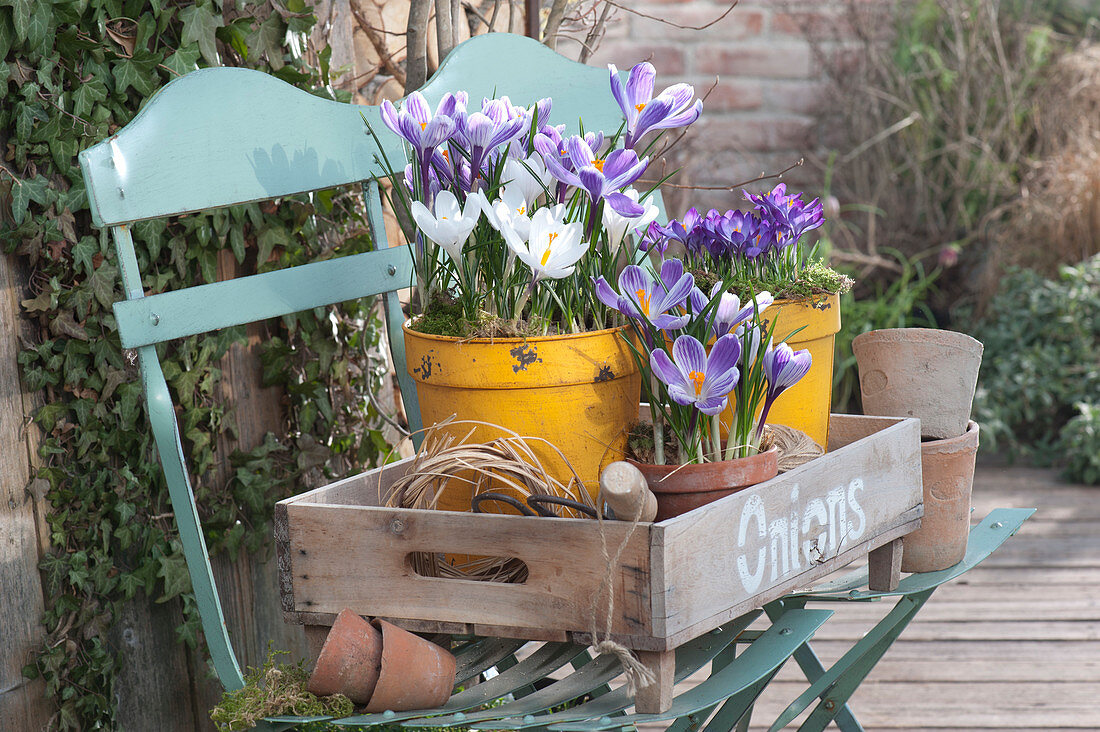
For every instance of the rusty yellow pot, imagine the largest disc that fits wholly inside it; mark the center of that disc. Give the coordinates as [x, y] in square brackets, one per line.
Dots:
[806, 405]
[579, 392]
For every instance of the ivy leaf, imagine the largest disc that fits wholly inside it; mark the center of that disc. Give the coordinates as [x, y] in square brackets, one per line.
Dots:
[102, 283]
[200, 23]
[83, 252]
[87, 94]
[64, 325]
[235, 36]
[23, 192]
[25, 117]
[129, 74]
[173, 570]
[21, 11]
[183, 61]
[7, 35]
[38, 27]
[267, 39]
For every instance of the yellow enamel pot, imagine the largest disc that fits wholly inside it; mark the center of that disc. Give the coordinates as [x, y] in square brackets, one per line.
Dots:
[815, 321]
[578, 392]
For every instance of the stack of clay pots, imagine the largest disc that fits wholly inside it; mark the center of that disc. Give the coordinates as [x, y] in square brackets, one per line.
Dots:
[382, 666]
[929, 374]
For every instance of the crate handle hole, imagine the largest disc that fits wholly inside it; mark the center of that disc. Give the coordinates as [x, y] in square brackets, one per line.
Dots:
[503, 570]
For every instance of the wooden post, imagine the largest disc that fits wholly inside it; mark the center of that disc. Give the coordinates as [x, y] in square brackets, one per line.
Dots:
[23, 703]
[657, 697]
[884, 567]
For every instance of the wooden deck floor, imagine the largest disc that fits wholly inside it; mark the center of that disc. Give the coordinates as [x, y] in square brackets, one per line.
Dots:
[1014, 644]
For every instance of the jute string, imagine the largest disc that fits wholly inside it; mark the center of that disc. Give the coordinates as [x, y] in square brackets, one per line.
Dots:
[795, 447]
[636, 674]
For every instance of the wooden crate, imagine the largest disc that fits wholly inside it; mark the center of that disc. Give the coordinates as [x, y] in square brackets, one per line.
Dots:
[676, 579]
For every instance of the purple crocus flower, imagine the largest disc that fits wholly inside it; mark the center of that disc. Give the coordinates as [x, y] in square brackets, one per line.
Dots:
[654, 240]
[420, 128]
[644, 298]
[695, 378]
[787, 214]
[730, 313]
[783, 368]
[600, 177]
[550, 144]
[670, 109]
[481, 133]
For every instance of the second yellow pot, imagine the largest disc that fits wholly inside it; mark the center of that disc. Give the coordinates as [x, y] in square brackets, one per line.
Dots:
[806, 405]
[579, 392]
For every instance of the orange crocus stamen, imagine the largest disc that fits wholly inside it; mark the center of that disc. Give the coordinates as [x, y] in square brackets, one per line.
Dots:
[522, 210]
[598, 163]
[643, 300]
[640, 107]
[697, 378]
[550, 243]
[423, 126]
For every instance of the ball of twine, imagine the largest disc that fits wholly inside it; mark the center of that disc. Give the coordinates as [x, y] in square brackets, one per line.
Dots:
[795, 446]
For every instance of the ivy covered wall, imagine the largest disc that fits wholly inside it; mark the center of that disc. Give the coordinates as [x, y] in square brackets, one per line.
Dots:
[90, 504]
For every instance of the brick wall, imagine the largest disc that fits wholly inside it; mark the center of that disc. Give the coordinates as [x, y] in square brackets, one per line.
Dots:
[769, 81]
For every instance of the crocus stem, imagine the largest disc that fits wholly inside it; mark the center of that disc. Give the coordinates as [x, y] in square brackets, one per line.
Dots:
[716, 437]
[658, 426]
[527, 292]
[763, 418]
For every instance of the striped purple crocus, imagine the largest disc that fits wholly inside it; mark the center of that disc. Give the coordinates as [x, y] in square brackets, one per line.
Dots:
[783, 368]
[601, 178]
[648, 299]
[696, 378]
[672, 108]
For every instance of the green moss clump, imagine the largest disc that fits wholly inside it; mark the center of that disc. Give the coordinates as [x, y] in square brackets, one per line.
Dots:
[815, 278]
[275, 689]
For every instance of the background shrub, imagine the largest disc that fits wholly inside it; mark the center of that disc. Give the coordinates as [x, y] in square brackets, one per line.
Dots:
[1042, 359]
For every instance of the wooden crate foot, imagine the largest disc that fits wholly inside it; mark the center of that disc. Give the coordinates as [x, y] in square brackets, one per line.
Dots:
[884, 567]
[657, 697]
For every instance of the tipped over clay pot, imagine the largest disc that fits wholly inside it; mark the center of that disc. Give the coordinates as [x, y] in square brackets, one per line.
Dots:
[415, 674]
[919, 372]
[350, 660]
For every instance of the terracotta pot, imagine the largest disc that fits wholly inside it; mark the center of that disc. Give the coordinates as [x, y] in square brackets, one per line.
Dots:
[947, 469]
[681, 488]
[349, 661]
[919, 372]
[415, 674]
[578, 392]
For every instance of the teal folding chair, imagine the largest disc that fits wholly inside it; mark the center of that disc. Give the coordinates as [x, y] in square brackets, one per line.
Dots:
[220, 137]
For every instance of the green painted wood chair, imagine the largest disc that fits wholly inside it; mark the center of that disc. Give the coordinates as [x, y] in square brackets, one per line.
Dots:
[220, 137]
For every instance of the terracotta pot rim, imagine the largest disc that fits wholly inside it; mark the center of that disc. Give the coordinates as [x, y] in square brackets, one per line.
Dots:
[939, 336]
[768, 456]
[967, 440]
[528, 339]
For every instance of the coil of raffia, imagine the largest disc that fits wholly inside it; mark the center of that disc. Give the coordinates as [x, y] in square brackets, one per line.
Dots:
[795, 446]
[506, 463]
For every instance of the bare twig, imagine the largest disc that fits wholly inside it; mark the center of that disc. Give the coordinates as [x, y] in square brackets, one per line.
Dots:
[378, 42]
[553, 23]
[733, 186]
[444, 34]
[416, 64]
[470, 8]
[596, 31]
[640, 14]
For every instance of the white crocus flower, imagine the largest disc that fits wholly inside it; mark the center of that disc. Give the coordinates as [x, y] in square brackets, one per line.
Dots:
[618, 226]
[518, 172]
[450, 226]
[511, 207]
[553, 247]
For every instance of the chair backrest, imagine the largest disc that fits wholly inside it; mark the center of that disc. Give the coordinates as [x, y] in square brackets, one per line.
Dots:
[219, 137]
